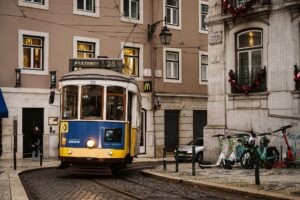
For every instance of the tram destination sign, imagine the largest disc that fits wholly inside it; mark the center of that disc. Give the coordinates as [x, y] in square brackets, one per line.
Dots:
[97, 63]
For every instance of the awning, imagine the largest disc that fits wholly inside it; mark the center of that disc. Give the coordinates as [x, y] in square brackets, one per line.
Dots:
[3, 107]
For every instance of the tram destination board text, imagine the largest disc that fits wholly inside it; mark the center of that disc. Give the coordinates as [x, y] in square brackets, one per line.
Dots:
[111, 64]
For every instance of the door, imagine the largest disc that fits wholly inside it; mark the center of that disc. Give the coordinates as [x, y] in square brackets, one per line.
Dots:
[143, 132]
[199, 122]
[31, 117]
[171, 129]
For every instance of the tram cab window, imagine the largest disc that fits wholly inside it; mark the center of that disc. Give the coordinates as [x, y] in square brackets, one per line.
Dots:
[113, 135]
[91, 102]
[70, 102]
[115, 107]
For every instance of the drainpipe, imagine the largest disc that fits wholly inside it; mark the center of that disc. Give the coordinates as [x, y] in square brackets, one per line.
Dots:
[0, 137]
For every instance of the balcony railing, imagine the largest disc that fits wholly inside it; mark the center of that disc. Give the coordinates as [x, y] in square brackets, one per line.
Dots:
[239, 7]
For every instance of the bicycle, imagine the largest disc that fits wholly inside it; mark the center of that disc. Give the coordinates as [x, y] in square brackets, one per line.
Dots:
[262, 155]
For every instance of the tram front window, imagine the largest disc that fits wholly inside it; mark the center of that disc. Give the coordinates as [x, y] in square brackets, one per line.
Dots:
[69, 107]
[115, 108]
[91, 102]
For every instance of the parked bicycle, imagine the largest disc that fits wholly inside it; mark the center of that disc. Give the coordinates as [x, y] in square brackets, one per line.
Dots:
[263, 155]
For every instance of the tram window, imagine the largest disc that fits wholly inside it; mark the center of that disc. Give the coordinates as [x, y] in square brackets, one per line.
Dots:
[91, 102]
[115, 108]
[113, 135]
[69, 107]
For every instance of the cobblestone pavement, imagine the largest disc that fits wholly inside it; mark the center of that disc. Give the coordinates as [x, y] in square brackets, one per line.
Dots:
[285, 182]
[55, 183]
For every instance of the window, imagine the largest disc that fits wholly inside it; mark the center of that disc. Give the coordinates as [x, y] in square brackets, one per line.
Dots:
[203, 60]
[38, 4]
[132, 11]
[132, 54]
[113, 135]
[172, 12]
[69, 99]
[33, 52]
[172, 65]
[86, 7]
[249, 55]
[203, 9]
[35, 1]
[84, 47]
[115, 106]
[172, 60]
[92, 102]
[131, 61]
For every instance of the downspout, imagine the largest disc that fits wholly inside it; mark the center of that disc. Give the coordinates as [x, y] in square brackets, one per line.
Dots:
[152, 60]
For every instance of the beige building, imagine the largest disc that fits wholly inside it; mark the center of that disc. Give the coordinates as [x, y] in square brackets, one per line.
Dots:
[258, 42]
[38, 37]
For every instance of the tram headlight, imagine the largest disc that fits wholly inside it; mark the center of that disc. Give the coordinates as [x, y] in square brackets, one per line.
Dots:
[91, 143]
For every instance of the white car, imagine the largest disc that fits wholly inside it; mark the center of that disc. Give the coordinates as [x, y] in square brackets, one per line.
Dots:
[185, 151]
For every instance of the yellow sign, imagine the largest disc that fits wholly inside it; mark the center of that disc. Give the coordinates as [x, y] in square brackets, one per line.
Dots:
[147, 86]
[64, 127]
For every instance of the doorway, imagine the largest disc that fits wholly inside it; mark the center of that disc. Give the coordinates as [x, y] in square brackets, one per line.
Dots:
[199, 122]
[171, 129]
[31, 117]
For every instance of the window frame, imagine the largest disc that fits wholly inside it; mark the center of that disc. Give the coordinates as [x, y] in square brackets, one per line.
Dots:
[201, 2]
[77, 39]
[201, 81]
[173, 26]
[172, 80]
[95, 13]
[32, 4]
[141, 57]
[87, 52]
[45, 53]
[91, 117]
[130, 19]
[249, 50]
[134, 57]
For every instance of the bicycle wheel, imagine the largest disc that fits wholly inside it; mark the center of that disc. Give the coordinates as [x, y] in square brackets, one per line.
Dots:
[246, 161]
[272, 157]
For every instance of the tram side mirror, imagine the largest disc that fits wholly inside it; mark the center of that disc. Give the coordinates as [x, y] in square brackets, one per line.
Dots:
[51, 97]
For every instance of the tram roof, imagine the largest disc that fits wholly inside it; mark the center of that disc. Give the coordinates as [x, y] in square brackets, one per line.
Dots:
[97, 74]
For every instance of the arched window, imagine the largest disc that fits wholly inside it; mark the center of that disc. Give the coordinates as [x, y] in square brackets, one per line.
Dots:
[249, 52]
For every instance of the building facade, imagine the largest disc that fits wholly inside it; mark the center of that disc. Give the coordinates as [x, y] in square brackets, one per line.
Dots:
[39, 37]
[254, 53]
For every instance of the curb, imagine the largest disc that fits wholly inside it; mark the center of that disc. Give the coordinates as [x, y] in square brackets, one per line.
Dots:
[225, 188]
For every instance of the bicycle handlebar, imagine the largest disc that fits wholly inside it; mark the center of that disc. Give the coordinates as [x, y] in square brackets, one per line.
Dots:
[283, 128]
[218, 135]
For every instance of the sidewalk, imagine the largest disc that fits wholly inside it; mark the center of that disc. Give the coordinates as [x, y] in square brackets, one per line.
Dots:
[11, 187]
[275, 183]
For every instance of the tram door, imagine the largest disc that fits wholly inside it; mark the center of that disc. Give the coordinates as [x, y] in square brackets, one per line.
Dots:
[31, 117]
[171, 129]
[143, 132]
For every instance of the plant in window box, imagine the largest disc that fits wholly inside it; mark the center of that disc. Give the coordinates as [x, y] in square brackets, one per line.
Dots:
[297, 77]
[257, 85]
[235, 9]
